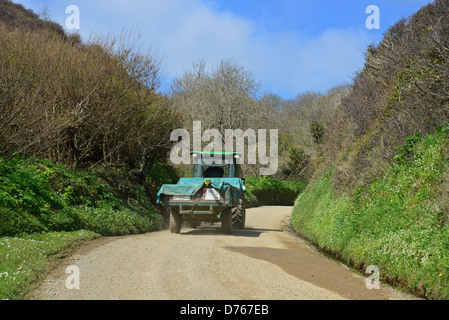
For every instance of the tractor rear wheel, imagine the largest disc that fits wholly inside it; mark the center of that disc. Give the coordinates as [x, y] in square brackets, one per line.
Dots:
[239, 215]
[175, 221]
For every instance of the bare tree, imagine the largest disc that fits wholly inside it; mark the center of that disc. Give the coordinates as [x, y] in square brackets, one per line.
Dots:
[224, 97]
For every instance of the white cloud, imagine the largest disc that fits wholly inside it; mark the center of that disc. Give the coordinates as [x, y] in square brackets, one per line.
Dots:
[334, 57]
[207, 34]
[183, 31]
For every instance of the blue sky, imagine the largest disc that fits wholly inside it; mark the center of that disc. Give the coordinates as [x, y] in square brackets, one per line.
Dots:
[291, 46]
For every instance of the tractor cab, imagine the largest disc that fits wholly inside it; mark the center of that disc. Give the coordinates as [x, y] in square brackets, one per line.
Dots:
[216, 165]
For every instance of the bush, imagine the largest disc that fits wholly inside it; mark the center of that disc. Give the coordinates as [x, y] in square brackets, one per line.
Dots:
[267, 191]
[18, 222]
[122, 222]
[36, 196]
[317, 132]
[79, 104]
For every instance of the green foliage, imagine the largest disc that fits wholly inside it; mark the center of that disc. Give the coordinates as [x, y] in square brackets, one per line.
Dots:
[407, 150]
[161, 174]
[268, 191]
[398, 222]
[23, 260]
[372, 202]
[317, 131]
[297, 163]
[36, 196]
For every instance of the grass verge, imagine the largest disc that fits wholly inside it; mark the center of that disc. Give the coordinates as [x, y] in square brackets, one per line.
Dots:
[47, 209]
[398, 223]
[25, 259]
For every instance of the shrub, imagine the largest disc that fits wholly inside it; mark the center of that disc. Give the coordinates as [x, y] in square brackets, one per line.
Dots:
[267, 191]
[79, 104]
[36, 195]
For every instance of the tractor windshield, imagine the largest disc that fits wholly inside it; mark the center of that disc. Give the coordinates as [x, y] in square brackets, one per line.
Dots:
[224, 166]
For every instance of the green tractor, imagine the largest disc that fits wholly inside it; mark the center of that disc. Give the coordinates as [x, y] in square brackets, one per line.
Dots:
[214, 194]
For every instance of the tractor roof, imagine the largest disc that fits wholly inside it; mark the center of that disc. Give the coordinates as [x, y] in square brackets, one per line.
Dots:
[216, 153]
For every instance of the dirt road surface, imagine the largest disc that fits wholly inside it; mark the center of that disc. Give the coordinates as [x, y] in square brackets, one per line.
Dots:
[263, 262]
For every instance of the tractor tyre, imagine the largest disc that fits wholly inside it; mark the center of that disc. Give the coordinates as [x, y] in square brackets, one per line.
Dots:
[239, 215]
[175, 221]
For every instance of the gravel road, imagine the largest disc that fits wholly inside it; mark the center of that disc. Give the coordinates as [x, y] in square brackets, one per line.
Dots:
[263, 262]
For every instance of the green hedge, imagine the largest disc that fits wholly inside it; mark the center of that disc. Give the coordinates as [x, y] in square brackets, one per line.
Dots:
[399, 222]
[267, 191]
[37, 195]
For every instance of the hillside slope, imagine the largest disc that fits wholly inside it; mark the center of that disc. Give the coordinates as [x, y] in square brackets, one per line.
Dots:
[79, 103]
[83, 140]
[380, 191]
[16, 16]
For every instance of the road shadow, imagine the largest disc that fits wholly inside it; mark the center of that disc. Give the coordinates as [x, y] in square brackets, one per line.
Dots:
[216, 230]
